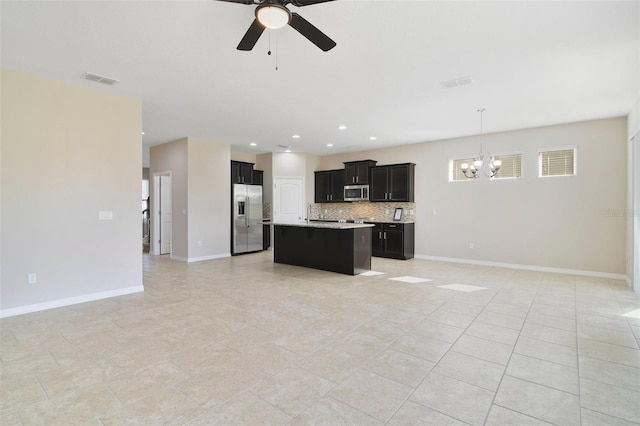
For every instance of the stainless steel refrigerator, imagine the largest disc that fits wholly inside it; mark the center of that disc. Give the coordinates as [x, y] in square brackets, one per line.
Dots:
[247, 218]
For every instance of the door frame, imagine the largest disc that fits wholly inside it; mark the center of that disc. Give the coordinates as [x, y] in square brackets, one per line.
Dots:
[155, 204]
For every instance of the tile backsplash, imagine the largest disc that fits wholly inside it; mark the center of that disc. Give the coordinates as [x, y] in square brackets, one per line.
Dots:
[382, 212]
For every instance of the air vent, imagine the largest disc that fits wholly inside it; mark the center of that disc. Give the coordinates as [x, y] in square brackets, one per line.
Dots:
[460, 81]
[100, 79]
[284, 146]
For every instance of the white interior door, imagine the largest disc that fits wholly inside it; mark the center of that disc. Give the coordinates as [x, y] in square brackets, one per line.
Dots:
[288, 200]
[165, 215]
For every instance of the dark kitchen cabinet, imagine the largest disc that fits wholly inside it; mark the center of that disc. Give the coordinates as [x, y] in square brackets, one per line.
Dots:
[347, 251]
[329, 186]
[394, 182]
[257, 177]
[393, 240]
[266, 236]
[241, 172]
[357, 172]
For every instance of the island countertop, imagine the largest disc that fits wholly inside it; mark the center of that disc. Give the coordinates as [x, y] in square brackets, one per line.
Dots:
[328, 225]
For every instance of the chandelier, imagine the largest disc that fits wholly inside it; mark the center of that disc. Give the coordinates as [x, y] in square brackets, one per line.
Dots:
[489, 165]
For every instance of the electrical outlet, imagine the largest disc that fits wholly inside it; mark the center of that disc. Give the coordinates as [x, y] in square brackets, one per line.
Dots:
[32, 278]
[471, 245]
[410, 211]
[199, 243]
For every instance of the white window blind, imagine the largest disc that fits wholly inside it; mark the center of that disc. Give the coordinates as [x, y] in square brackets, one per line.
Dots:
[511, 166]
[557, 162]
[455, 173]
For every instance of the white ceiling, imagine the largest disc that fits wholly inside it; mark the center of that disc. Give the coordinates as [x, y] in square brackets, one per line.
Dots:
[533, 63]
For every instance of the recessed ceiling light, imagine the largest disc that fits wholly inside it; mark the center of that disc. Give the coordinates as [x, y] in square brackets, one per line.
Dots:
[342, 127]
[253, 144]
[372, 138]
[287, 150]
[296, 136]
[142, 133]
[329, 145]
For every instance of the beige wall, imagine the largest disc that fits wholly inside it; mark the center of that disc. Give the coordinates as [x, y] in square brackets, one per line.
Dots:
[201, 181]
[562, 222]
[633, 197]
[209, 199]
[247, 157]
[264, 162]
[68, 152]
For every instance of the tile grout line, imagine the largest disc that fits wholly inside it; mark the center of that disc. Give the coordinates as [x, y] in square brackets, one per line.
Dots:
[493, 401]
[450, 348]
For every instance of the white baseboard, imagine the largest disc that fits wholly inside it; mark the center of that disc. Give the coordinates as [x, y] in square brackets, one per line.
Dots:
[201, 258]
[4, 313]
[527, 267]
[212, 257]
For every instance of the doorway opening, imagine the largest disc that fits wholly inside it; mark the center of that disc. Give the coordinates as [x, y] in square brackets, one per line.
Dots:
[146, 212]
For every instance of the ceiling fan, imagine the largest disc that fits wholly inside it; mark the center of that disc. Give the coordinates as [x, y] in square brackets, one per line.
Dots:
[274, 14]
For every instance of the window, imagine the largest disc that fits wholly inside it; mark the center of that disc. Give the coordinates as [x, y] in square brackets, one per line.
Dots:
[557, 162]
[455, 170]
[511, 166]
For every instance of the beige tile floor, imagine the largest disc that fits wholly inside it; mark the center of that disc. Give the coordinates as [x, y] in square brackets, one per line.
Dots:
[244, 341]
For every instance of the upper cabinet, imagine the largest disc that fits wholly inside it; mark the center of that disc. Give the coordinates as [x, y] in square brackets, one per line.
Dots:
[329, 186]
[357, 172]
[242, 172]
[394, 182]
[257, 177]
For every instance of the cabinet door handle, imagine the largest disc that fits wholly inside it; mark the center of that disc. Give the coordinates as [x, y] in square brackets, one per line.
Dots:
[380, 236]
[385, 235]
[331, 197]
[357, 179]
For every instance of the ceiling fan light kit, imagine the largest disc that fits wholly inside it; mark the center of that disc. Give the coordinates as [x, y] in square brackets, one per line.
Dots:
[273, 14]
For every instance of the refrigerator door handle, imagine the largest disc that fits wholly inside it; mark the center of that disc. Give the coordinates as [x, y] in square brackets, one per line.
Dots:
[246, 217]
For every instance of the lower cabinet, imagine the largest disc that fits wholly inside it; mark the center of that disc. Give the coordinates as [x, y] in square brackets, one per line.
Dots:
[266, 236]
[393, 240]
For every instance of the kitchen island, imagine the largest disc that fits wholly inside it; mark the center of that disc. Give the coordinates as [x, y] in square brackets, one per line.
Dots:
[335, 247]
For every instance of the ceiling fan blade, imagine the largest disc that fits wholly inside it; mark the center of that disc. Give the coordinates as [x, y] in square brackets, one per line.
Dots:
[313, 34]
[301, 3]
[239, 1]
[251, 36]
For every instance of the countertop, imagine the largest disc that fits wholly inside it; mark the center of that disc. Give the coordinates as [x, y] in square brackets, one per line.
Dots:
[366, 221]
[328, 225]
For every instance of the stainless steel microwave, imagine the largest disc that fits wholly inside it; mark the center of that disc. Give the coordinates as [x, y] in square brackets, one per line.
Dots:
[356, 193]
